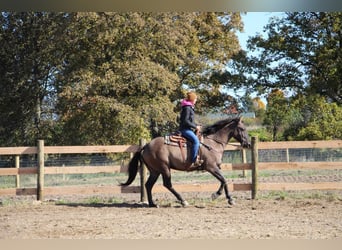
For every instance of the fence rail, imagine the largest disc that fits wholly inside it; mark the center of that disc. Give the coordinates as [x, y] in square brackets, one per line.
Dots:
[254, 166]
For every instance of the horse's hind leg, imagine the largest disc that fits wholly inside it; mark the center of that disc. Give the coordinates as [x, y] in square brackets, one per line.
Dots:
[167, 183]
[149, 184]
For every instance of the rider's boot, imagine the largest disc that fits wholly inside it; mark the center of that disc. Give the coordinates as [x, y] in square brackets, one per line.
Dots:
[195, 165]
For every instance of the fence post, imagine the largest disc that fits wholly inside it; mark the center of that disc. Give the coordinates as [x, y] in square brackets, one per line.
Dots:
[255, 159]
[244, 160]
[143, 194]
[17, 166]
[40, 178]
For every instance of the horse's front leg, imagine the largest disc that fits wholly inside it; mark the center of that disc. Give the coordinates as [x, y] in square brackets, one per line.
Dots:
[217, 194]
[216, 172]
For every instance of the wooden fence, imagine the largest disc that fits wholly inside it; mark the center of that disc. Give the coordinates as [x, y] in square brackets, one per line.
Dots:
[254, 166]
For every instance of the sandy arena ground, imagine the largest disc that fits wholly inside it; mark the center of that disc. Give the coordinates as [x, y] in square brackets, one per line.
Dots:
[265, 218]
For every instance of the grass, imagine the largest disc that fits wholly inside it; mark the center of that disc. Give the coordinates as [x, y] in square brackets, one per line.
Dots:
[93, 200]
[296, 172]
[28, 181]
[329, 196]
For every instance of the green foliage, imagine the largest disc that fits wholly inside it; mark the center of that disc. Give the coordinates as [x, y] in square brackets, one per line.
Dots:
[30, 58]
[112, 78]
[302, 51]
[277, 113]
[106, 78]
[314, 119]
[261, 133]
[301, 54]
[303, 118]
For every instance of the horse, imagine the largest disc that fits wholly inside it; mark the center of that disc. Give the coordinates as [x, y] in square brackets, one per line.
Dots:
[160, 158]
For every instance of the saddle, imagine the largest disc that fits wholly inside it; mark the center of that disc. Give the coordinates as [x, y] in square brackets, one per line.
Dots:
[176, 139]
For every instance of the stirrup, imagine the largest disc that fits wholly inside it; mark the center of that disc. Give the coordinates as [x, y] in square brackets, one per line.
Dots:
[195, 165]
[198, 163]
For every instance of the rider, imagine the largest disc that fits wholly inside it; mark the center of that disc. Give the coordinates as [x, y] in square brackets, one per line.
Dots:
[188, 127]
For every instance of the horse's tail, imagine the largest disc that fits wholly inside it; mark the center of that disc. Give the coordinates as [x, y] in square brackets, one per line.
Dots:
[133, 168]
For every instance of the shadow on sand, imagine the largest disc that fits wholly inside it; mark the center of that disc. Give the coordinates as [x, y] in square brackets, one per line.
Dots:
[100, 204]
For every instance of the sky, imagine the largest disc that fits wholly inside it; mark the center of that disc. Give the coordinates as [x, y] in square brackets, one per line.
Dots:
[254, 23]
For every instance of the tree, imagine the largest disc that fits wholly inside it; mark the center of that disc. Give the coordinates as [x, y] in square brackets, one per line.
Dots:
[302, 52]
[30, 58]
[314, 119]
[259, 107]
[135, 67]
[277, 113]
[121, 79]
[107, 78]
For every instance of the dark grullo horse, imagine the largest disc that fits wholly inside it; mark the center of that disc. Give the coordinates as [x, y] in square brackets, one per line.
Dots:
[160, 157]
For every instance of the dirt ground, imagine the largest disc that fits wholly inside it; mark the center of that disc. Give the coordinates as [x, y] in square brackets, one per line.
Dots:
[124, 218]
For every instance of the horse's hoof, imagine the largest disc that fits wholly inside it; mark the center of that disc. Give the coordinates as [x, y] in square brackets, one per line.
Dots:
[214, 196]
[231, 202]
[154, 205]
[185, 203]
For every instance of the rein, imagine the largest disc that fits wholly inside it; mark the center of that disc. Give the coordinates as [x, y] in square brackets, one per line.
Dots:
[215, 139]
[218, 140]
[210, 148]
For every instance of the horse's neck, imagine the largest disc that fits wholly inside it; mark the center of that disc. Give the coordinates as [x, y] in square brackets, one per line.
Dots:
[222, 136]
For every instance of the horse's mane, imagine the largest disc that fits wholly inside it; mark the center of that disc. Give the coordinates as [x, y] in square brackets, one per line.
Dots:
[212, 129]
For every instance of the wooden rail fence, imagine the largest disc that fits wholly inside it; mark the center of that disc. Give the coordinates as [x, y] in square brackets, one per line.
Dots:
[254, 166]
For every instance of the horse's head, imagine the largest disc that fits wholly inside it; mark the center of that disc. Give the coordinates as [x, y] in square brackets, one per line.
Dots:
[240, 134]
